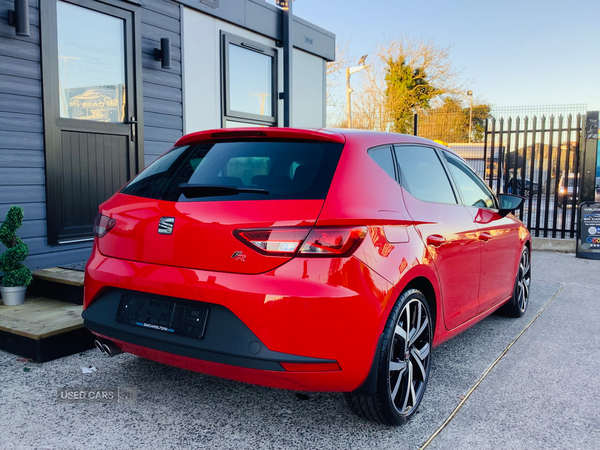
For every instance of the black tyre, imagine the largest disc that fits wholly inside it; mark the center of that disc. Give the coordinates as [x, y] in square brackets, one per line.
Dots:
[519, 301]
[404, 362]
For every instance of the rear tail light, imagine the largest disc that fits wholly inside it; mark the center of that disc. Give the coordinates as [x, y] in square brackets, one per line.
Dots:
[333, 241]
[103, 225]
[273, 241]
[320, 242]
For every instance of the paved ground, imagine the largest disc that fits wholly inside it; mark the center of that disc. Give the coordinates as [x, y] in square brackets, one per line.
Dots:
[545, 392]
[542, 394]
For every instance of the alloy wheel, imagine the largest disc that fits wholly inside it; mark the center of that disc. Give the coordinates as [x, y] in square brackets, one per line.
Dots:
[410, 357]
[523, 281]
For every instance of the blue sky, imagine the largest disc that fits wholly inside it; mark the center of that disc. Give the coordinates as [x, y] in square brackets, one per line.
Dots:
[527, 52]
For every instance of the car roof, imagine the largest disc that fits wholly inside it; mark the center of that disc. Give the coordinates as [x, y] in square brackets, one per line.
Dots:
[340, 135]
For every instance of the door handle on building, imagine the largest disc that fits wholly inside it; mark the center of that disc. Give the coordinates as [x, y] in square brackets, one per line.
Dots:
[133, 124]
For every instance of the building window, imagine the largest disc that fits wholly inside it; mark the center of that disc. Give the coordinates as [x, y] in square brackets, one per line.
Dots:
[249, 83]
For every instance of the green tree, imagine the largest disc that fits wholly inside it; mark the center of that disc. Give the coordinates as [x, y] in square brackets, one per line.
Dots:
[449, 121]
[480, 113]
[421, 72]
[407, 89]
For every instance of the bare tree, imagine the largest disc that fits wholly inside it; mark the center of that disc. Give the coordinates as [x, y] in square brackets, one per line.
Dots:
[371, 104]
[342, 57]
[335, 78]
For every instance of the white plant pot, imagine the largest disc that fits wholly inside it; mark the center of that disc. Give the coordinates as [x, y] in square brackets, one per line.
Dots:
[13, 296]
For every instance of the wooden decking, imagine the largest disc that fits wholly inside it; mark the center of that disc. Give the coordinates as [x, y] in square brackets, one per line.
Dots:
[49, 324]
[59, 275]
[40, 318]
[59, 284]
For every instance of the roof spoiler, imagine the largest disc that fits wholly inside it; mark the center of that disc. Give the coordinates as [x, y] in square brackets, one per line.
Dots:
[263, 132]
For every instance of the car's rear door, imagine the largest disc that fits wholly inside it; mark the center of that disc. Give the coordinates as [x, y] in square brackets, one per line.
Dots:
[446, 227]
[499, 235]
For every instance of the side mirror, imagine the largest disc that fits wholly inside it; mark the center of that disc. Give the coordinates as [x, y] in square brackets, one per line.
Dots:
[509, 203]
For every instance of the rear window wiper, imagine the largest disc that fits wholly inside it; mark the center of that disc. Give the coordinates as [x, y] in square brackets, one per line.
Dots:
[210, 190]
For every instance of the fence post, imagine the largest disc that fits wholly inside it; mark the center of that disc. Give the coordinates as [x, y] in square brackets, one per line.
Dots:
[485, 132]
[416, 125]
[589, 157]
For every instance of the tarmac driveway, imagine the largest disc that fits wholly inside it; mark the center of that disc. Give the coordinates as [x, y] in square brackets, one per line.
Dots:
[543, 393]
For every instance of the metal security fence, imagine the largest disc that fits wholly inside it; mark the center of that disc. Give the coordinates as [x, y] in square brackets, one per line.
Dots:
[533, 151]
[506, 112]
[539, 159]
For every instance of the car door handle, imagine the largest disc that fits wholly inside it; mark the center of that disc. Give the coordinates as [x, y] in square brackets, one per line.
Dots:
[485, 236]
[436, 240]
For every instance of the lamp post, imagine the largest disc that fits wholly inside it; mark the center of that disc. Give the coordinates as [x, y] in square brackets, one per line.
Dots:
[288, 48]
[470, 95]
[350, 71]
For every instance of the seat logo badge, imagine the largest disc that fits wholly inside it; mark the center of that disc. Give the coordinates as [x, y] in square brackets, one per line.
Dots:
[239, 256]
[165, 225]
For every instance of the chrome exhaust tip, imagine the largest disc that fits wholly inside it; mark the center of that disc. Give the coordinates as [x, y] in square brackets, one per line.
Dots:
[110, 348]
[107, 347]
[99, 346]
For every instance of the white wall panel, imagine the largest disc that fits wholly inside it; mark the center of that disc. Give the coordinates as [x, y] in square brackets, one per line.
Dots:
[202, 68]
[201, 64]
[202, 75]
[309, 90]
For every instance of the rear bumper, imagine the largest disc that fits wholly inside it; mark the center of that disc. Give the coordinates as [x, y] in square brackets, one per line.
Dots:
[308, 311]
[565, 197]
[227, 339]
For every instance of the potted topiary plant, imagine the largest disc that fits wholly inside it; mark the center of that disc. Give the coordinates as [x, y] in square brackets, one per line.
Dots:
[16, 276]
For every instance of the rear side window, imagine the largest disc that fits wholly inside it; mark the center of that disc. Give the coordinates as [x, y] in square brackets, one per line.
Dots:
[383, 157]
[274, 169]
[423, 175]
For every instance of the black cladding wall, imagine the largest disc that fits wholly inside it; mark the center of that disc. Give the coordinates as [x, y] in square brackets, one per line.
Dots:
[22, 177]
[22, 152]
[162, 88]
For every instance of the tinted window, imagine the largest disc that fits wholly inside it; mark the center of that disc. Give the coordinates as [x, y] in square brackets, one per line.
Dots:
[473, 189]
[423, 175]
[383, 157]
[286, 170]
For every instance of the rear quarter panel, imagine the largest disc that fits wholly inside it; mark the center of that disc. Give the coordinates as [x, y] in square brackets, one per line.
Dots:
[362, 193]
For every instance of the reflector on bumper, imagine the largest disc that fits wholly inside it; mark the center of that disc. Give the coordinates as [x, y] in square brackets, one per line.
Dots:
[310, 367]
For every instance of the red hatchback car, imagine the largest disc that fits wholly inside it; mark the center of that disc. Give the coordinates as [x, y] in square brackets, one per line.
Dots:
[315, 260]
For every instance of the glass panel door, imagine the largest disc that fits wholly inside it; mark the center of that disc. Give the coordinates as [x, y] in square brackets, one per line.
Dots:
[91, 65]
[91, 128]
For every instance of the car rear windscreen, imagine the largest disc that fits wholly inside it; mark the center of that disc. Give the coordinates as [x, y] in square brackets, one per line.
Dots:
[242, 170]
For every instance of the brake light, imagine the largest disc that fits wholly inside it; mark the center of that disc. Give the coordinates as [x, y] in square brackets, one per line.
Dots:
[333, 241]
[273, 241]
[103, 224]
[320, 242]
